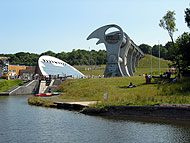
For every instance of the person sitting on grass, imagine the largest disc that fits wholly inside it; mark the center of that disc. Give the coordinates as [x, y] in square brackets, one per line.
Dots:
[131, 85]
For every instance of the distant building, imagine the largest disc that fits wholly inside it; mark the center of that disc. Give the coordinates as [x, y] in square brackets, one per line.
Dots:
[14, 70]
[20, 70]
[4, 62]
[28, 72]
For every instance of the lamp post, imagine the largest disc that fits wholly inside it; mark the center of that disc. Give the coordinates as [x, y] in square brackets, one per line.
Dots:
[90, 63]
[151, 61]
[159, 56]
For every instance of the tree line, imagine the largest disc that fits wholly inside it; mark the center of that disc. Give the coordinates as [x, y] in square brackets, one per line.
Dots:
[84, 57]
[76, 57]
[164, 50]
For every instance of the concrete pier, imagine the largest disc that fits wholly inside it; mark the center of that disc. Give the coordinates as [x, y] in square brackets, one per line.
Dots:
[162, 111]
[4, 94]
[32, 87]
[74, 105]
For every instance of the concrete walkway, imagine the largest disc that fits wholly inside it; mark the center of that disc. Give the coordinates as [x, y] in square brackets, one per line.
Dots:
[62, 103]
[83, 103]
[4, 94]
[29, 87]
[77, 106]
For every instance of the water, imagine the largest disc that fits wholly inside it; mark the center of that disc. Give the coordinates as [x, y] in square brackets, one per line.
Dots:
[22, 123]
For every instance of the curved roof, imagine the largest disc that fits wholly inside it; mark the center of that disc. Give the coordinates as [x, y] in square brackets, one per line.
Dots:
[49, 65]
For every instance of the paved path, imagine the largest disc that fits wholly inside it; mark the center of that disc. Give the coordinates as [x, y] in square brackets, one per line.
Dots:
[67, 102]
[83, 103]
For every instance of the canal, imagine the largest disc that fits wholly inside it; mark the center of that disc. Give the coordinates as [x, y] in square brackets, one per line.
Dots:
[21, 123]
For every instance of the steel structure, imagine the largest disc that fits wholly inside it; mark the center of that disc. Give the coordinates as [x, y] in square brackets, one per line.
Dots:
[123, 54]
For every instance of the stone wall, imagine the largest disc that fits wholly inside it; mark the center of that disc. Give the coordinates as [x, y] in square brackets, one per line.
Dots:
[163, 112]
[29, 88]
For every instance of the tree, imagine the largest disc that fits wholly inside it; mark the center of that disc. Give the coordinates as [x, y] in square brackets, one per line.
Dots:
[101, 57]
[145, 48]
[50, 53]
[168, 23]
[163, 51]
[62, 56]
[183, 48]
[155, 50]
[170, 50]
[187, 16]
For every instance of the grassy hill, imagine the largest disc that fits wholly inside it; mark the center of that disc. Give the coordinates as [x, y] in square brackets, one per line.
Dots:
[146, 62]
[144, 67]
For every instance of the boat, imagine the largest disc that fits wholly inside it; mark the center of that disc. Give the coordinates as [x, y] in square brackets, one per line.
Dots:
[55, 93]
[47, 94]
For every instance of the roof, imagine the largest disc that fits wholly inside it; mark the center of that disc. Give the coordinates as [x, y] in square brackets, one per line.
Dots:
[4, 58]
[49, 65]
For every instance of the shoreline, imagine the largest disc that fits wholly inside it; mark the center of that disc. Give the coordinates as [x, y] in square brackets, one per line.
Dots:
[157, 111]
[160, 111]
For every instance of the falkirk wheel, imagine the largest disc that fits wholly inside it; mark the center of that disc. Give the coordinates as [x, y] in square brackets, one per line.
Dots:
[123, 54]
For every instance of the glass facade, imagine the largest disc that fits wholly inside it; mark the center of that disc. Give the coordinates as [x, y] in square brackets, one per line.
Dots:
[52, 66]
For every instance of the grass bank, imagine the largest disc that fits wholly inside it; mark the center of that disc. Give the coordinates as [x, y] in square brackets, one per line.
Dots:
[8, 84]
[40, 102]
[118, 94]
[179, 88]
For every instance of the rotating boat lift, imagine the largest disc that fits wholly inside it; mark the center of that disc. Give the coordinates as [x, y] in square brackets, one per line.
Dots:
[123, 54]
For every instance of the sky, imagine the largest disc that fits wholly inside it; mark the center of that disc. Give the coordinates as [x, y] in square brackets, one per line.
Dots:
[37, 26]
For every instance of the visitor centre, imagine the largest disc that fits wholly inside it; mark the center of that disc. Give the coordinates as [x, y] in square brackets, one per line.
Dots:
[48, 65]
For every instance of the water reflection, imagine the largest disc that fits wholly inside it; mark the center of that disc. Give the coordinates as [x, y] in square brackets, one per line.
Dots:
[20, 122]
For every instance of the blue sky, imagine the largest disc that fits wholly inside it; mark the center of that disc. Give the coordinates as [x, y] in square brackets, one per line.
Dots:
[37, 26]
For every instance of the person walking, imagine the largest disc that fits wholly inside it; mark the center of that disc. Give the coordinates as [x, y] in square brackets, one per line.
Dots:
[146, 78]
[149, 78]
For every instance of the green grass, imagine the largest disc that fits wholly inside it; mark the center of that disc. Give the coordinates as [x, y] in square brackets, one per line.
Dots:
[181, 87]
[91, 69]
[144, 67]
[39, 102]
[146, 62]
[8, 84]
[143, 94]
